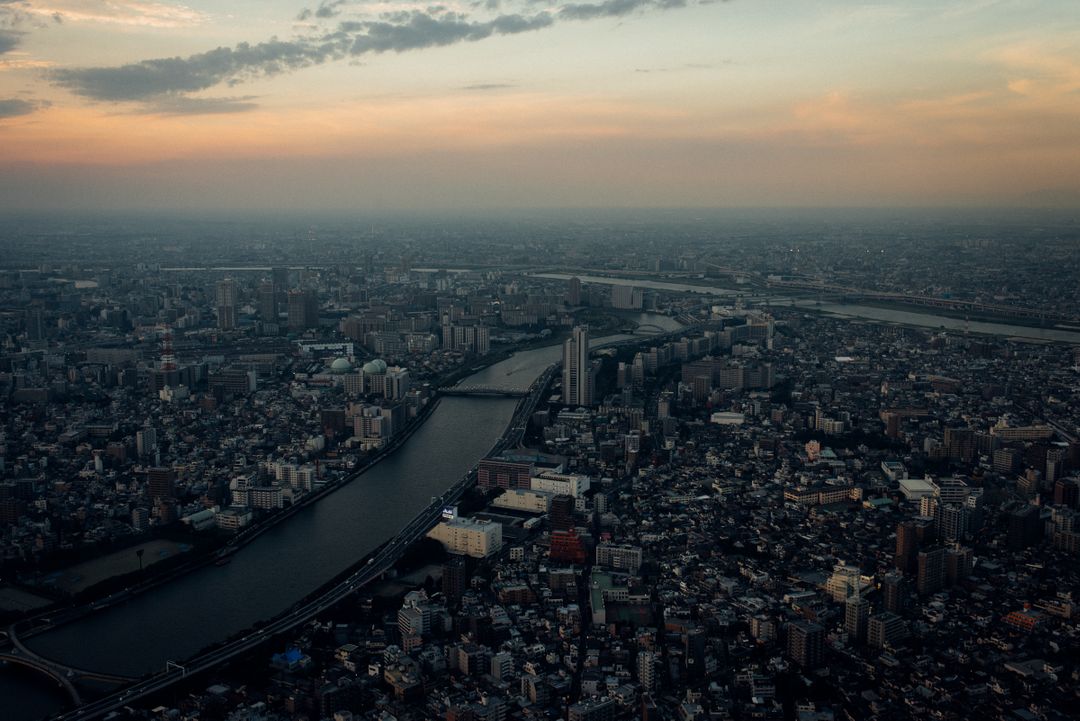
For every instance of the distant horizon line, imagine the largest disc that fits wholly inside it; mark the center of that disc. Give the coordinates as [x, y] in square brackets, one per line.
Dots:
[518, 210]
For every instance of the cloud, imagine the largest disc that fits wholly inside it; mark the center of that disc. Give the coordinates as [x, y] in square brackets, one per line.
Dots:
[613, 8]
[14, 107]
[489, 86]
[22, 61]
[329, 8]
[185, 105]
[139, 13]
[9, 40]
[151, 80]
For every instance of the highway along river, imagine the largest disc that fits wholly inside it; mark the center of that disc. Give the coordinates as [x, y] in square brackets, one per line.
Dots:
[174, 621]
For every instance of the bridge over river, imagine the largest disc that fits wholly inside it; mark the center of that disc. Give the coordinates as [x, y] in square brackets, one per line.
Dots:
[66, 676]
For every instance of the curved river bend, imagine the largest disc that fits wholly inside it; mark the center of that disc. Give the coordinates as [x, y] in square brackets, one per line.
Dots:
[289, 561]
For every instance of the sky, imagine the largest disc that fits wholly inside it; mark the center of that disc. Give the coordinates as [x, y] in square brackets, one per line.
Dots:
[493, 104]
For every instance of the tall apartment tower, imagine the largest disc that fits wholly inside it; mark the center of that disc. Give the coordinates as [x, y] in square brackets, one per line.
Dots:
[226, 304]
[856, 617]
[303, 309]
[573, 291]
[268, 301]
[931, 573]
[806, 643]
[577, 372]
[646, 669]
[906, 546]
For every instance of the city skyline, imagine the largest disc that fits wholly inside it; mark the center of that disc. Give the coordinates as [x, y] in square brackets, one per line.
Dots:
[624, 103]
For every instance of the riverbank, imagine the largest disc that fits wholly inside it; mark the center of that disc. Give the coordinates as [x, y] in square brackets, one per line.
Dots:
[29, 627]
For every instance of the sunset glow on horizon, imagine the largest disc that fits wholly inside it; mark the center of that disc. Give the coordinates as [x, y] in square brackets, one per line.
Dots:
[129, 104]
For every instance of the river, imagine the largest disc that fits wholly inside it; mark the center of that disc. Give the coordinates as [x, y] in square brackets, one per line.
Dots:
[853, 311]
[175, 620]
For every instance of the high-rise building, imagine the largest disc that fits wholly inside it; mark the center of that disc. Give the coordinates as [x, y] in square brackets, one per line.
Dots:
[455, 577]
[806, 643]
[931, 571]
[646, 670]
[146, 442]
[959, 562]
[573, 291]
[561, 513]
[578, 375]
[303, 309]
[227, 298]
[856, 615]
[35, 324]
[894, 591]
[627, 297]
[1067, 492]
[952, 521]
[280, 278]
[268, 302]
[906, 546]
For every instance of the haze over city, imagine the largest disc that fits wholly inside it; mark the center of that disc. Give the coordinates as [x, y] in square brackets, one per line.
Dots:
[523, 360]
[129, 104]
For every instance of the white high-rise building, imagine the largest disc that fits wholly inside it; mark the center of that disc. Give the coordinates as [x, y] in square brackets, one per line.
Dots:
[578, 376]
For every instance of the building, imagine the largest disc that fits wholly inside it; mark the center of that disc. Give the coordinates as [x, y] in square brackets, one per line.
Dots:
[146, 442]
[567, 546]
[619, 558]
[646, 670]
[959, 562]
[627, 297]
[227, 300]
[303, 310]
[568, 484]
[160, 483]
[268, 302]
[468, 537]
[561, 513]
[455, 577]
[856, 616]
[845, 581]
[894, 592]
[494, 473]
[885, 629]
[930, 576]
[520, 499]
[597, 709]
[579, 376]
[573, 291]
[806, 643]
